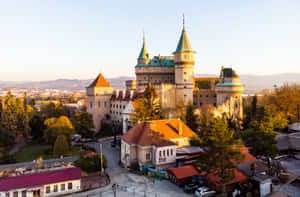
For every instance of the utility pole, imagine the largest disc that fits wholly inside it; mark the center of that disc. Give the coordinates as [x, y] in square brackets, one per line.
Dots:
[101, 161]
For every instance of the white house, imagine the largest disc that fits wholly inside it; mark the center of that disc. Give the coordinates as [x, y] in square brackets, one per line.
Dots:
[50, 183]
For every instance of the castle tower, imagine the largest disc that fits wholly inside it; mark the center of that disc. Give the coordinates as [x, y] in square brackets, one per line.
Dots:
[99, 93]
[229, 94]
[184, 69]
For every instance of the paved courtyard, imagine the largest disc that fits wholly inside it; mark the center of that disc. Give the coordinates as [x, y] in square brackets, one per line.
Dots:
[130, 184]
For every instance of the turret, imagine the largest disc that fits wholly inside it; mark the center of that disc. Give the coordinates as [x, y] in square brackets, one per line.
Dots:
[184, 69]
[229, 93]
[99, 93]
[144, 57]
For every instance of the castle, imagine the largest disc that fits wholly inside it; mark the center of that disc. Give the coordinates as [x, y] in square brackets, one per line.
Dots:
[174, 79]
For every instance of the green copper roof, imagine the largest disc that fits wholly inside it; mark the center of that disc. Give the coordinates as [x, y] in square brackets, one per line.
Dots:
[184, 43]
[228, 84]
[144, 53]
[160, 61]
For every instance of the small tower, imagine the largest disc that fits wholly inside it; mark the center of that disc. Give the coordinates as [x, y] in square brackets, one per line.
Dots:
[99, 93]
[229, 94]
[184, 69]
[144, 55]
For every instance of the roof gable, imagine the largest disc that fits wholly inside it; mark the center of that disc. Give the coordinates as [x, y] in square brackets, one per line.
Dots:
[184, 43]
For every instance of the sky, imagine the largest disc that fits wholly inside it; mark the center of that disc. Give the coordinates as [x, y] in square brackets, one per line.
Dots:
[77, 39]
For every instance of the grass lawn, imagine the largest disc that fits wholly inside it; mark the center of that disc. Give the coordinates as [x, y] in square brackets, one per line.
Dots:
[32, 152]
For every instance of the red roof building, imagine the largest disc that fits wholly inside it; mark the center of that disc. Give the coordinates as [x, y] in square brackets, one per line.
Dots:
[182, 175]
[43, 182]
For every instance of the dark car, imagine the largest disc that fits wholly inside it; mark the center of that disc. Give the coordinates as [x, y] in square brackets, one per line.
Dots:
[190, 188]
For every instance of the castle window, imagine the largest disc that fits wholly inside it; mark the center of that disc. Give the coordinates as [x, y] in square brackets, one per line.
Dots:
[200, 104]
[168, 152]
[184, 80]
[117, 105]
[215, 104]
[184, 87]
[164, 153]
[171, 152]
[200, 95]
[91, 104]
[215, 95]
[124, 107]
[99, 104]
[185, 73]
[207, 95]
[104, 104]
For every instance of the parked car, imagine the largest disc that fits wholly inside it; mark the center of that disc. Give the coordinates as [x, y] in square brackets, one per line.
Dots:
[190, 188]
[204, 192]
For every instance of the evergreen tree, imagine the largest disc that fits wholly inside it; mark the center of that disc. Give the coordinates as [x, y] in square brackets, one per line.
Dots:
[61, 146]
[148, 107]
[190, 117]
[221, 151]
[37, 126]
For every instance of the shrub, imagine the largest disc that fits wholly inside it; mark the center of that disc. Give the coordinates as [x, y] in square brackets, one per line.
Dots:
[91, 163]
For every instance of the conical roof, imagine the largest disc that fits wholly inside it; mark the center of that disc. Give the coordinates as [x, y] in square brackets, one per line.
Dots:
[100, 81]
[144, 53]
[184, 43]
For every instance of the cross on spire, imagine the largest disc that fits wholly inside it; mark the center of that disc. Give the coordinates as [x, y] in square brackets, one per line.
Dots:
[183, 19]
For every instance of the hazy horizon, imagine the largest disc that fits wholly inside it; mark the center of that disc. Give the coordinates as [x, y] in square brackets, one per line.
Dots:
[49, 40]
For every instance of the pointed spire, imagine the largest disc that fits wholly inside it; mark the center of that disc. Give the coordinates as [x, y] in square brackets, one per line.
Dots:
[184, 43]
[144, 53]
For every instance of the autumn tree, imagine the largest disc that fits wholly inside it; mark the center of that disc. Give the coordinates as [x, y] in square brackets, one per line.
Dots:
[61, 146]
[50, 110]
[83, 123]
[221, 151]
[148, 107]
[56, 127]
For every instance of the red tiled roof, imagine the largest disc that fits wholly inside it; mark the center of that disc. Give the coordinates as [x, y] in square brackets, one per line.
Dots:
[184, 172]
[38, 179]
[157, 132]
[100, 81]
[126, 97]
[239, 177]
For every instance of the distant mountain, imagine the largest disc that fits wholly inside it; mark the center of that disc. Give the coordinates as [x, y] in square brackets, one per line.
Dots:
[253, 83]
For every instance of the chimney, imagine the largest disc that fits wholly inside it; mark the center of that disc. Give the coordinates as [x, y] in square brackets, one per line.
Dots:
[131, 94]
[124, 93]
[180, 131]
[117, 93]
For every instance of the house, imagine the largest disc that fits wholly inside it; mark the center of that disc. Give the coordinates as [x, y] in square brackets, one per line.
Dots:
[182, 175]
[50, 183]
[154, 143]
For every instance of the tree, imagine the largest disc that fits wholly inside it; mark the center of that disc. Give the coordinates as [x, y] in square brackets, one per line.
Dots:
[148, 107]
[51, 110]
[92, 162]
[56, 127]
[221, 152]
[37, 126]
[83, 124]
[61, 146]
[261, 137]
[190, 117]
[206, 117]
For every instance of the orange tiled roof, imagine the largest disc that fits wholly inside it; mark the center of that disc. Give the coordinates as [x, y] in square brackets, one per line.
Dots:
[184, 172]
[100, 81]
[206, 79]
[157, 132]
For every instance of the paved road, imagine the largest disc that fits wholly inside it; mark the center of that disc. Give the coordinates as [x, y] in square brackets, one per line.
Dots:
[49, 162]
